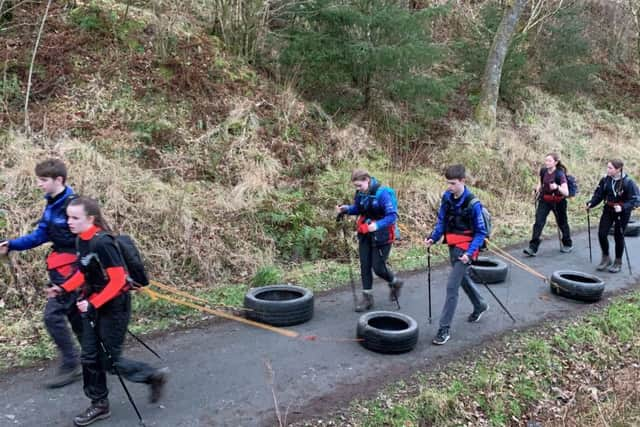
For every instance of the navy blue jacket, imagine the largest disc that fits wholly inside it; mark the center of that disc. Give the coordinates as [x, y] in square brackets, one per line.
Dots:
[613, 191]
[52, 227]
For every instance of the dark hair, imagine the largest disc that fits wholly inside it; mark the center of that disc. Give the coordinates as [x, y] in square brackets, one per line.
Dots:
[455, 172]
[52, 168]
[617, 163]
[555, 156]
[360, 175]
[91, 208]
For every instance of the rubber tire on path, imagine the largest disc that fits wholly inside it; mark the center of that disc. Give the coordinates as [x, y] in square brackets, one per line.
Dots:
[387, 332]
[576, 285]
[279, 305]
[632, 230]
[489, 270]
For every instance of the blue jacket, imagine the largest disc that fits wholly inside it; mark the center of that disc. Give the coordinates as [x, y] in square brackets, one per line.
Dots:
[479, 229]
[52, 227]
[375, 205]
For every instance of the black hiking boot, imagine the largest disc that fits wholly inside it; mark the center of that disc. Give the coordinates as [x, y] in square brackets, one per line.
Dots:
[395, 288]
[97, 411]
[366, 303]
[616, 267]
[530, 251]
[442, 336]
[477, 314]
[604, 264]
[64, 376]
[156, 383]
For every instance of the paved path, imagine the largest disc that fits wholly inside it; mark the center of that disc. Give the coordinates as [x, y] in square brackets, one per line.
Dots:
[219, 376]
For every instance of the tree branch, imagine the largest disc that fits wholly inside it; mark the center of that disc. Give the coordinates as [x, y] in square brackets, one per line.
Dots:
[33, 59]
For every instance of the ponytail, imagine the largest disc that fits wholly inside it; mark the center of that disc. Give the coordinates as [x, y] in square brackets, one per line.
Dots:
[91, 208]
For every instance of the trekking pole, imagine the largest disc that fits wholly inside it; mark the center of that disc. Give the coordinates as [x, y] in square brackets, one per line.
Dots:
[115, 369]
[144, 344]
[589, 236]
[340, 218]
[624, 242]
[429, 279]
[493, 295]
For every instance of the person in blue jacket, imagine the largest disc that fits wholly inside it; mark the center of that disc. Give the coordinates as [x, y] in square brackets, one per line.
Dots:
[461, 223]
[620, 196]
[61, 264]
[377, 213]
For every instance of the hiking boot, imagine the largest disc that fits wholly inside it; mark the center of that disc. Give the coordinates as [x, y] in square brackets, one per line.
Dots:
[530, 251]
[64, 376]
[156, 382]
[366, 303]
[604, 264]
[395, 288]
[566, 249]
[477, 314]
[442, 336]
[616, 267]
[97, 411]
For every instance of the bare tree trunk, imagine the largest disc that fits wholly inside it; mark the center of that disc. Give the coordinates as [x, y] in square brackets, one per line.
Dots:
[634, 5]
[33, 59]
[486, 110]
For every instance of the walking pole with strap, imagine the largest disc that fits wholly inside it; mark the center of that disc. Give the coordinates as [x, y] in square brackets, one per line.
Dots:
[589, 235]
[340, 218]
[624, 242]
[144, 344]
[477, 277]
[429, 279]
[115, 369]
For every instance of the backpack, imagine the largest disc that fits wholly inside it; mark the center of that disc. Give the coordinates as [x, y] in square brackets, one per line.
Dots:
[572, 183]
[133, 263]
[394, 201]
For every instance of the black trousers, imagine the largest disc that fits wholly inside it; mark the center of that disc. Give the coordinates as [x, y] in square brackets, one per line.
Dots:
[619, 221]
[373, 257]
[542, 212]
[109, 327]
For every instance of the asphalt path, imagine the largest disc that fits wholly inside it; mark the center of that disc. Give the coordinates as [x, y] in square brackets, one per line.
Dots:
[220, 374]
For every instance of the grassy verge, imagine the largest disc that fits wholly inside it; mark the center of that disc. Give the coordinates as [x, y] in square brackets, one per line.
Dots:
[584, 371]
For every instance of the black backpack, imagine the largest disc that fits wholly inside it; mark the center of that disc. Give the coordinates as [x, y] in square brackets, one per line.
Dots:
[134, 264]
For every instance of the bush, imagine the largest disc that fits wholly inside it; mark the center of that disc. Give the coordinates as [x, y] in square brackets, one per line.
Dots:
[267, 275]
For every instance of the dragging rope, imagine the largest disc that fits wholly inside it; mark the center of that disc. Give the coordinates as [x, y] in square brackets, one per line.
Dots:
[510, 258]
[281, 331]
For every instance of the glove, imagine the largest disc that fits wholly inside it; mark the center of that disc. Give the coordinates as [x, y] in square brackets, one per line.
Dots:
[91, 313]
[363, 228]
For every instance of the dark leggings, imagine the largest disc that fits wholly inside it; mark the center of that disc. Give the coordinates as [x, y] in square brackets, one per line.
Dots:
[619, 220]
[560, 211]
[372, 256]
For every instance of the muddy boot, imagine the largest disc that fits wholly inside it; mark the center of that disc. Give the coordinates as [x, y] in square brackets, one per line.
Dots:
[394, 289]
[366, 303]
[604, 264]
[64, 376]
[98, 410]
[617, 266]
[156, 383]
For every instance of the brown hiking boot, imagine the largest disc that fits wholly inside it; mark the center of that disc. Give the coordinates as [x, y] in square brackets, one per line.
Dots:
[156, 382]
[395, 288]
[616, 267]
[366, 303]
[604, 264]
[97, 411]
[64, 376]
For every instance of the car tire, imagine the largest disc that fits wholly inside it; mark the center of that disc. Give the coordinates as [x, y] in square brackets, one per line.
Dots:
[279, 305]
[576, 285]
[489, 270]
[387, 332]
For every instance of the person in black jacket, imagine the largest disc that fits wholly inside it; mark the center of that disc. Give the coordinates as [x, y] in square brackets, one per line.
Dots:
[61, 264]
[105, 304]
[620, 195]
